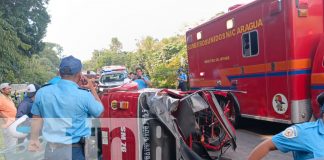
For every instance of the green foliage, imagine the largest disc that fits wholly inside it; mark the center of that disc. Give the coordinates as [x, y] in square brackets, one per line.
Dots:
[22, 27]
[35, 69]
[116, 46]
[9, 52]
[160, 60]
[29, 20]
[40, 68]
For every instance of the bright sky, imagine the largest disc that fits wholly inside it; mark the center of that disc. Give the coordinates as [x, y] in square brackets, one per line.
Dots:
[82, 26]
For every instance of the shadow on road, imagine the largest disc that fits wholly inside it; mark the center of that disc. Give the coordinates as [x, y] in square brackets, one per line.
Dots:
[262, 127]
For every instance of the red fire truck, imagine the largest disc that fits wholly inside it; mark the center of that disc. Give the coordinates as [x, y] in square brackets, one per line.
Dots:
[272, 49]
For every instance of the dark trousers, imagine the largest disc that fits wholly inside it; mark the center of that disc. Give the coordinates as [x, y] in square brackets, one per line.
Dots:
[182, 86]
[66, 152]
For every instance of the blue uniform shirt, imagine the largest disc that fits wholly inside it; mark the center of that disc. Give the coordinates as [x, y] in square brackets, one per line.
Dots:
[65, 108]
[54, 80]
[141, 83]
[305, 140]
[182, 77]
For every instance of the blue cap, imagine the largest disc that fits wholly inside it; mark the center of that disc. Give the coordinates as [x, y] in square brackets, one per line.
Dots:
[70, 66]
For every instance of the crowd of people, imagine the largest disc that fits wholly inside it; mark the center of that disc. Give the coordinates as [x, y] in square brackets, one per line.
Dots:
[66, 95]
[59, 112]
[67, 99]
[144, 82]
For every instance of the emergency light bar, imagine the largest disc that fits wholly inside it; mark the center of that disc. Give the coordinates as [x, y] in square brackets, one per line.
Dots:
[111, 70]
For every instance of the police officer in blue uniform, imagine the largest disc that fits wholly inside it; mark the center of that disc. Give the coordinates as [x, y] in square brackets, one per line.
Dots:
[61, 111]
[182, 80]
[305, 140]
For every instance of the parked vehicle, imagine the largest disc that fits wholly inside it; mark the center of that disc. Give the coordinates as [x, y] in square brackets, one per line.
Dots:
[272, 49]
[112, 76]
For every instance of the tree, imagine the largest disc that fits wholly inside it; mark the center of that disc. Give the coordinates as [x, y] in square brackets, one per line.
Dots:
[22, 27]
[39, 68]
[159, 59]
[29, 20]
[116, 46]
[9, 52]
[146, 54]
[52, 52]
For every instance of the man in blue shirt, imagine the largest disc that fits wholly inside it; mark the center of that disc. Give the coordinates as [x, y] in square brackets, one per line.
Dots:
[61, 110]
[142, 81]
[306, 140]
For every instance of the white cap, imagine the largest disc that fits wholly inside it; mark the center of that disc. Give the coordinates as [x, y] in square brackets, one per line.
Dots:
[31, 88]
[4, 85]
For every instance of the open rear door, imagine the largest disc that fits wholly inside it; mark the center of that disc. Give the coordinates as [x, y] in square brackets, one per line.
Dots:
[210, 130]
[222, 119]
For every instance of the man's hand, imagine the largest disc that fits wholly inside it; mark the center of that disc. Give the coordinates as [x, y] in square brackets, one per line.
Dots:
[34, 146]
[89, 83]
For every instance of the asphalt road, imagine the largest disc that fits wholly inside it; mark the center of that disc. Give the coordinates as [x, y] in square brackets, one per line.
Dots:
[250, 134]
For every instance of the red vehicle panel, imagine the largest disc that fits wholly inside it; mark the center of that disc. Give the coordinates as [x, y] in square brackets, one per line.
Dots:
[165, 124]
[266, 48]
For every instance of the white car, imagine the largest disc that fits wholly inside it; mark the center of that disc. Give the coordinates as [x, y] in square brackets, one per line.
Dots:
[111, 78]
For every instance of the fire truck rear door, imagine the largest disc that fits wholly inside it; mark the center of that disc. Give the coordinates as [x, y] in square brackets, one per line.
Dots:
[275, 40]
